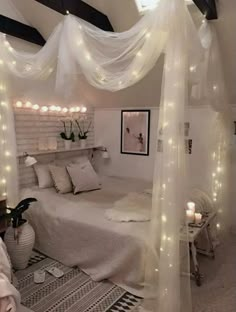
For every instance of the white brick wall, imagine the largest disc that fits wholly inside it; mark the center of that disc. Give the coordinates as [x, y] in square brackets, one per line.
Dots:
[31, 125]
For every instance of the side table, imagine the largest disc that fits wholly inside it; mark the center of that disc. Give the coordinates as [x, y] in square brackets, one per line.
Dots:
[190, 234]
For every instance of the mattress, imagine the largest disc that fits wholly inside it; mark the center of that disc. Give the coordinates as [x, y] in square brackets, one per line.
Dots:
[73, 230]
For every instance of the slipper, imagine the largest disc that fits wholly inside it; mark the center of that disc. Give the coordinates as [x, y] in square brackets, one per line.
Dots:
[55, 272]
[39, 277]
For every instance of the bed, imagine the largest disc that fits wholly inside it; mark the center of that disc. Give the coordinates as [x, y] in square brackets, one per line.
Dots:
[73, 229]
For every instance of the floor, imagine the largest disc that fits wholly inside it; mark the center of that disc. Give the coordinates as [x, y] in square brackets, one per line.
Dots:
[218, 292]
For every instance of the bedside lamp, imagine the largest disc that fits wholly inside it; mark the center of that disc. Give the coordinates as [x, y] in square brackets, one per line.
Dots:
[29, 160]
[105, 154]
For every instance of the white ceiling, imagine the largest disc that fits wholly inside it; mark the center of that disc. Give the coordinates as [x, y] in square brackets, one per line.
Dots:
[124, 13]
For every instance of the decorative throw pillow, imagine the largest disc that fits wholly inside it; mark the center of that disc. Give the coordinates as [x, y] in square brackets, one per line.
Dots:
[43, 175]
[61, 179]
[83, 177]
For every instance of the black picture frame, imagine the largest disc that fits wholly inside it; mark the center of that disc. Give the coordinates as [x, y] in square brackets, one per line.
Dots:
[141, 138]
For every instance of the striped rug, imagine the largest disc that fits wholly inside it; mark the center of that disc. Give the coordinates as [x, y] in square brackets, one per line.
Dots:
[74, 292]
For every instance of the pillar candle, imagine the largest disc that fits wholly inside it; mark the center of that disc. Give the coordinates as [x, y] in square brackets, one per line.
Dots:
[198, 218]
[191, 206]
[190, 216]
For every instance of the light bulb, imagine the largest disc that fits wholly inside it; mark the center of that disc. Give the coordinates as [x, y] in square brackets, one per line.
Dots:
[83, 109]
[4, 181]
[72, 110]
[192, 68]
[148, 35]
[170, 141]
[28, 104]
[35, 106]
[67, 12]
[1, 62]
[19, 104]
[139, 53]
[44, 109]
[215, 87]
[7, 153]
[6, 43]
[4, 127]
[65, 110]
[8, 168]
[88, 56]
[58, 108]
[3, 103]
[13, 62]
[52, 108]
[164, 219]
[10, 49]
[77, 109]
[50, 70]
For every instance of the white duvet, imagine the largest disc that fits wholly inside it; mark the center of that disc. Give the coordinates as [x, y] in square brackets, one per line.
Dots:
[73, 229]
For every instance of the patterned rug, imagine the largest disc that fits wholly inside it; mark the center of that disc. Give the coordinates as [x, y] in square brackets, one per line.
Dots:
[74, 292]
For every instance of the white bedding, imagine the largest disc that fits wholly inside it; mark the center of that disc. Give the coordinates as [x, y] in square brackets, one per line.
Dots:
[74, 230]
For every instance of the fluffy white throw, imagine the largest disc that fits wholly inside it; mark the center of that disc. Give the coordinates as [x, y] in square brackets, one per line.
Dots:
[9, 296]
[132, 207]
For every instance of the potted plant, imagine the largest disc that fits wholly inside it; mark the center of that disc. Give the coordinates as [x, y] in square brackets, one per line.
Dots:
[83, 131]
[19, 237]
[68, 135]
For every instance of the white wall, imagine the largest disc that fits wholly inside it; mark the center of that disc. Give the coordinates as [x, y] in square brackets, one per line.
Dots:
[107, 133]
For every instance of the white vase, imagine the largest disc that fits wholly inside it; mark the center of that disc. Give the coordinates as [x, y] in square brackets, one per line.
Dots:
[83, 143]
[67, 144]
[20, 243]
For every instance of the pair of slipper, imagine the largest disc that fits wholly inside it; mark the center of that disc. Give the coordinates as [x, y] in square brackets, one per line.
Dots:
[39, 275]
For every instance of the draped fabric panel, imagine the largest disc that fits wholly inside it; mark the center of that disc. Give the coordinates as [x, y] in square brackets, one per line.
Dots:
[114, 61]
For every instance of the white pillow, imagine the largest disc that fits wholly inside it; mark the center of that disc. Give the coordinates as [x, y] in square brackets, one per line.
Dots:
[83, 177]
[61, 179]
[43, 175]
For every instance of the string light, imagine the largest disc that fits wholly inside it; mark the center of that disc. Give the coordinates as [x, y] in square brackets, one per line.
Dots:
[8, 168]
[83, 109]
[28, 104]
[35, 106]
[65, 110]
[192, 68]
[164, 219]
[52, 108]
[7, 154]
[44, 109]
[88, 57]
[1, 62]
[139, 53]
[19, 104]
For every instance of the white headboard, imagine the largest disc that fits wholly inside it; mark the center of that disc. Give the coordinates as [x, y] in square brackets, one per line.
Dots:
[31, 125]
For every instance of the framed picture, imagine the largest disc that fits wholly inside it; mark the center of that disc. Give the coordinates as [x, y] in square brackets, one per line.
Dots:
[135, 131]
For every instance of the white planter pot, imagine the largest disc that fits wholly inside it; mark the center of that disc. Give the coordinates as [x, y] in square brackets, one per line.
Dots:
[83, 143]
[67, 144]
[20, 243]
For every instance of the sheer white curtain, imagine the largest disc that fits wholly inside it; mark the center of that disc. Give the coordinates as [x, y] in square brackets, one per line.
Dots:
[214, 92]
[114, 61]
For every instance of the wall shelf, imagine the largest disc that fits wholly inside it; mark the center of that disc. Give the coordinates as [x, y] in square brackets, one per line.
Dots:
[74, 149]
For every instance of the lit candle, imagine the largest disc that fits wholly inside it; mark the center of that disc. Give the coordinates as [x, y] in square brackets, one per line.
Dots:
[191, 206]
[190, 216]
[198, 218]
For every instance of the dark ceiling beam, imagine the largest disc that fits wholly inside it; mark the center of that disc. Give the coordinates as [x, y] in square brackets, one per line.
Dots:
[208, 8]
[80, 9]
[16, 29]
